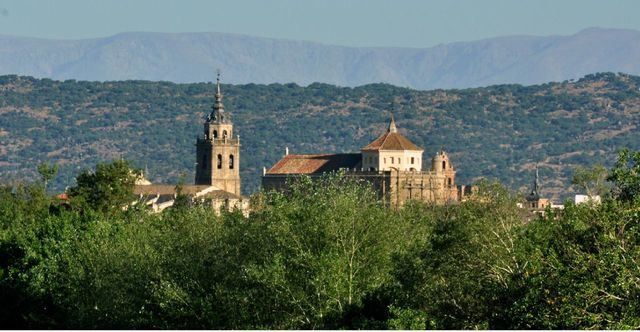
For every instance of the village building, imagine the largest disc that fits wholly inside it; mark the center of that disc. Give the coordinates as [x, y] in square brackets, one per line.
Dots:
[391, 164]
[217, 178]
[533, 200]
[534, 205]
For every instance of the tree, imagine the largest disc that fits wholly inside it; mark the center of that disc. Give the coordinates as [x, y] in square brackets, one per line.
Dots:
[579, 271]
[592, 180]
[47, 172]
[625, 176]
[322, 248]
[108, 188]
[448, 276]
[182, 201]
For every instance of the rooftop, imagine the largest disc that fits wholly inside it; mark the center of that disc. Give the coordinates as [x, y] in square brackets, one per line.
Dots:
[391, 140]
[315, 163]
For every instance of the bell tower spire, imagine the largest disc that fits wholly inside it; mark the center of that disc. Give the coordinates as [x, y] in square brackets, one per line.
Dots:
[218, 105]
[218, 115]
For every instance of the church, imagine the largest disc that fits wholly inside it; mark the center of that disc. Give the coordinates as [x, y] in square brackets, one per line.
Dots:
[391, 164]
[217, 179]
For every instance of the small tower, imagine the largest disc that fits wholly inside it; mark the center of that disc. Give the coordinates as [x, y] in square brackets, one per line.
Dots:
[218, 153]
[534, 201]
[440, 164]
[445, 174]
[534, 195]
[392, 151]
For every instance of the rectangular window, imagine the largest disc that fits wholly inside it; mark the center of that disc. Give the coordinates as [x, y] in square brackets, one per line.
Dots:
[392, 160]
[412, 161]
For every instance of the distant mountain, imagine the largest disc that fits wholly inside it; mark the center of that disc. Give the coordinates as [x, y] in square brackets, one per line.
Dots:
[194, 57]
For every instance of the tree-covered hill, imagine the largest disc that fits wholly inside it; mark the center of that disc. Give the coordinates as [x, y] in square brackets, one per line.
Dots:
[496, 132]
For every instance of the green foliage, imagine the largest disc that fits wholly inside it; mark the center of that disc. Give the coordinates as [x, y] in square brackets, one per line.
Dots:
[450, 272]
[408, 319]
[591, 181]
[47, 172]
[625, 176]
[327, 246]
[182, 201]
[107, 188]
[579, 271]
[327, 255]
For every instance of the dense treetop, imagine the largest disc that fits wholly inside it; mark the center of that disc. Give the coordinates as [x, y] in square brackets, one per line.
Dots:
[494, 132]
[326, 255]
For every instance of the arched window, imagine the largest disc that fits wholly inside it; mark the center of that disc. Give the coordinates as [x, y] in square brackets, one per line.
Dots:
[224, 134]
[444, 164]
[215, 134]
[450, 182]
[219, 161]
[230, 161]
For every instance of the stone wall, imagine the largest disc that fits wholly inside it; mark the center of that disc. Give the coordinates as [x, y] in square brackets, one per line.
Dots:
[395, 188]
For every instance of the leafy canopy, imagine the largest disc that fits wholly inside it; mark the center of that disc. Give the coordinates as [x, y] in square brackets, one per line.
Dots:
[107, 188]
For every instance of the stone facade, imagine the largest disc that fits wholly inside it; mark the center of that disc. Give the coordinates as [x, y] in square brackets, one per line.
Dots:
[217, 152]
[391, 164]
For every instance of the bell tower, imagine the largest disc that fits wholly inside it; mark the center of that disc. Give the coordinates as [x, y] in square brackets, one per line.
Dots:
[218, 153]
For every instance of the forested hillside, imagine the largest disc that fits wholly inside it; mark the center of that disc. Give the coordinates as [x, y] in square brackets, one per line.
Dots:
[493, 132]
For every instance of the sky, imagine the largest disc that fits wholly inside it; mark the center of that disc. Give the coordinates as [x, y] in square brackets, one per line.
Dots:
[396, 23]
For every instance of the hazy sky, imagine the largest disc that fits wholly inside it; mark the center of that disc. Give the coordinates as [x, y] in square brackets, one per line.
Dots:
[412, 23]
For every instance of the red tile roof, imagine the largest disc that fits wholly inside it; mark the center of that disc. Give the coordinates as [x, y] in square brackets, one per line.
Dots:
[167, 189]
[315, 163]
[391, 141]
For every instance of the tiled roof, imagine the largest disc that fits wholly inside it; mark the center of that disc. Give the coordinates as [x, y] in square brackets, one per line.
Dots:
[391, 141]
[167, 189]
[315, 163]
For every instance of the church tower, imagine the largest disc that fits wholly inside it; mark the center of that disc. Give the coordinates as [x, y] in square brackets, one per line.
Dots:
[218, 153]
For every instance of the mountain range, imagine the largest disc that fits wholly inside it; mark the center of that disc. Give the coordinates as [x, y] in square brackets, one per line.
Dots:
[194, 57]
